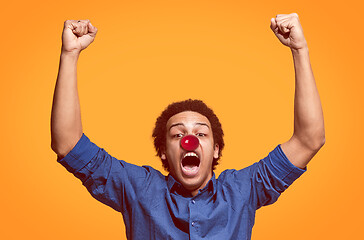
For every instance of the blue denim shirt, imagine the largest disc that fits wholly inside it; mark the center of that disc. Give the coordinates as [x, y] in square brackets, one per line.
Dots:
[155, 206]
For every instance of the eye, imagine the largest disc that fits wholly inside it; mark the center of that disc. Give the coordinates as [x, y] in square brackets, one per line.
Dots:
[201, 134]
[178, 135]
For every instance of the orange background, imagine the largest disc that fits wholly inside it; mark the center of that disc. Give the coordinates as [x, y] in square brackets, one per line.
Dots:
[150, 53]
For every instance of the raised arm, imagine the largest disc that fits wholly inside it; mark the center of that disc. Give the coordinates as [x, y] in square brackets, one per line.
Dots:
[66, 126]
[309, 131]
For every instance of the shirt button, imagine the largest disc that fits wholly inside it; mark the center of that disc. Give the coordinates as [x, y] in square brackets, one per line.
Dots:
[193, 224]
[193, 201]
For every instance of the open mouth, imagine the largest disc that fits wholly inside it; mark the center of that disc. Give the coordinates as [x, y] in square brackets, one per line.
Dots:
[190, 164]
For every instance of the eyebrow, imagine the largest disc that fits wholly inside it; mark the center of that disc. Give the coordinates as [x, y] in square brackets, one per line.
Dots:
[181, 124]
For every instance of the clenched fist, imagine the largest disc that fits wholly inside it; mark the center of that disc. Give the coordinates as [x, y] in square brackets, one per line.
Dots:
[77, 35]
[287, 28]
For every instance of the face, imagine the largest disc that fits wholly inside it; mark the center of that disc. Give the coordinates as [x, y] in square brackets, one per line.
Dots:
[193, 169]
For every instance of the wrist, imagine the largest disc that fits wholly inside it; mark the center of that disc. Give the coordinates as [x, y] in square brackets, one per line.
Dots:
[72, 54]
[299, 51]
[67, 58]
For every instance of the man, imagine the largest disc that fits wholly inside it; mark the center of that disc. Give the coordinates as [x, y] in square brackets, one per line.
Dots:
[189, 203]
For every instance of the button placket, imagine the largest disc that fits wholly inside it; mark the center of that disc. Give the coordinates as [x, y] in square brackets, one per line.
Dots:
[194, 212]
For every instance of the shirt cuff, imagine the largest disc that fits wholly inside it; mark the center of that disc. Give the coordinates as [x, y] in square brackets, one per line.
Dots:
[282, 167]
[80, 155]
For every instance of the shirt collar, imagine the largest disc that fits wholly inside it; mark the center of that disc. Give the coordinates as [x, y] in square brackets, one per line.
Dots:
[175, 185]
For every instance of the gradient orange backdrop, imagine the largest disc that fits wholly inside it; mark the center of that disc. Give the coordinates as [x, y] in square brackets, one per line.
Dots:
[150, 53]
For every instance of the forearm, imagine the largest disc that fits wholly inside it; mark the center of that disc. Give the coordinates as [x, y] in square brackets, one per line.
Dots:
[308, 116]
[66, 126]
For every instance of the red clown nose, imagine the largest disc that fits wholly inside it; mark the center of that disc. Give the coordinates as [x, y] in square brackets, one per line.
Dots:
[189, 142]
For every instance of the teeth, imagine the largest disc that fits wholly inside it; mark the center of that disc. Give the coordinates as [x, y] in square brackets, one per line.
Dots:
[190, 154]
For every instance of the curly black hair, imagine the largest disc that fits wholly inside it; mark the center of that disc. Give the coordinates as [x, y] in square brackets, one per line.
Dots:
[160, 129]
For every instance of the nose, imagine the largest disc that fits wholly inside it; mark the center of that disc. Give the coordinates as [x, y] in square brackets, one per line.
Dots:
[189, 142]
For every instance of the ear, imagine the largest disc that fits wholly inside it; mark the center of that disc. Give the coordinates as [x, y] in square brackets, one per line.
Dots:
[163, 156]
[216, 151]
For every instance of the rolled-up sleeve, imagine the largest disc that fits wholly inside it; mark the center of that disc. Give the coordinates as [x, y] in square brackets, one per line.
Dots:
[80, 155]
[265, 180]
[111, 181]
[271, 176]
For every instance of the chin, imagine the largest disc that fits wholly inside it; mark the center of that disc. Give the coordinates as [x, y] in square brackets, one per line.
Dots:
[194, 183]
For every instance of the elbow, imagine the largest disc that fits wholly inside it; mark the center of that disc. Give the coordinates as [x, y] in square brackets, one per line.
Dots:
[316, 143]
[54, 146]
[313, 142]
[323, 141]
[320, 139]
[63, 144]
[59, 150]
[320, 143]
[62, 148]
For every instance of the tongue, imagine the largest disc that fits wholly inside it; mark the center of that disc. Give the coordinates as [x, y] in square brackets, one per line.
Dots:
[190, 170]
[189, 166]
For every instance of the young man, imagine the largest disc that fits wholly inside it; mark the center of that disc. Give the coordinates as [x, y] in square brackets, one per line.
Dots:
[189, 203]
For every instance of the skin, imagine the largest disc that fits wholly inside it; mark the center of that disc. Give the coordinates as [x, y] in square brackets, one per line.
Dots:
[309, 131]
[308, 134]
[66, 125]
[186, 123]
